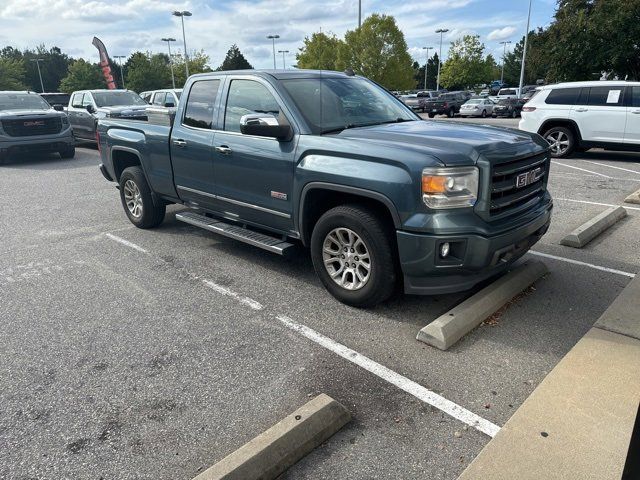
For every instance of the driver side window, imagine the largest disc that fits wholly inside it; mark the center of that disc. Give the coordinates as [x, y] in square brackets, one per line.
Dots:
[77, 100]
[87, 100]
[246, 97]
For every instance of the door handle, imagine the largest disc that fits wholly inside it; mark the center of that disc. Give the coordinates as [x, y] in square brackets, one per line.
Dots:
[582, 109]
[224, 150]
[180, 143]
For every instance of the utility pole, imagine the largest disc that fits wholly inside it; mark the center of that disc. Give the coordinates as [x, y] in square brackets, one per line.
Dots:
[38, 60]
[359, 13]
[273, 39]
[440, 31]
[121, 71]
[183, 14]
[284, 66]
[426, 64]
[504, 52]
[524, 52]
[173, 78]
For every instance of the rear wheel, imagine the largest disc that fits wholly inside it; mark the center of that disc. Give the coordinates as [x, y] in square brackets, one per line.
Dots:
[514, 114]
[562, 141]
[451, 113]
[354, 255]
[484, 114]
[431, 115]
[68, 152]
[137, 200]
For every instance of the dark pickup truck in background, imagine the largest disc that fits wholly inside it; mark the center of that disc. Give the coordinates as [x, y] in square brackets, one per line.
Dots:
[446, 104]
[336, 163]
[29, 124]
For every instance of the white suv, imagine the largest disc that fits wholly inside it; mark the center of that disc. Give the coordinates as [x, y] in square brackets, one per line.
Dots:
[581, 115]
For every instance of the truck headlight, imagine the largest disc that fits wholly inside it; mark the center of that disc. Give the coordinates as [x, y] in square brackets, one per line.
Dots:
[453, 187]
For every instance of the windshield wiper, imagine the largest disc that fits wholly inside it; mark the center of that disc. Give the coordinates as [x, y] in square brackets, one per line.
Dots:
[359, 125]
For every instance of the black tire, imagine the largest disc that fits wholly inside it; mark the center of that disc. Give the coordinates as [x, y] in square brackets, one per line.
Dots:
[68, 152]
[431, 115]
[560, 133]
[514, 114]
[451, 113]
[152, 213]
[484, 114]
[378, 240]
[493, 115]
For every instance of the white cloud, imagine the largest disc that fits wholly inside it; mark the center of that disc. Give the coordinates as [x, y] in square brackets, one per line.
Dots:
[501, 33]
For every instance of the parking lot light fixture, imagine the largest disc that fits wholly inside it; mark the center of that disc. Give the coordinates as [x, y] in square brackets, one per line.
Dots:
[524, 51]
[273, 39]
[173, 78]
[426, 64]
[504, 52]
[283, 52]
[440, 31]
[120, 57]
[38, 60]
[183, 14]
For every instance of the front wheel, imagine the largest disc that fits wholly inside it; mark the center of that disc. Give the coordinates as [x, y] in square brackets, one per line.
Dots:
[562, 141]
[354, 255]
[514, 114]
[68, 152]
[451, 113]
[137, 200]
[431, 115]
[484, 114]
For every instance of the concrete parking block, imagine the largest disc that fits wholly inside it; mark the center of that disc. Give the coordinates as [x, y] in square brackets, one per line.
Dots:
[447, 329]
[594, 227]
[272, 452]
[633, 198]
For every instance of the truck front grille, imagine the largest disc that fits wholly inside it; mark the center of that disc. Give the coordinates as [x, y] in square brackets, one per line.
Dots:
[28, 127]
[508, 196]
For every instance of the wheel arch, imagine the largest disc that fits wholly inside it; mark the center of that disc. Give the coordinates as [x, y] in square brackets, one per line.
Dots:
[124, 157]
[561, 122]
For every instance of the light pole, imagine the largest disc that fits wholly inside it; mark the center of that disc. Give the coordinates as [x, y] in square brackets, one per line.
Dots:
[273, 39]
[524, 51]
[284, 66]
[504, 52]
[440, 31]
[38, 60]
[359, 13]
[169, 40]
[121, 71]
[426, 63]
[183, 14]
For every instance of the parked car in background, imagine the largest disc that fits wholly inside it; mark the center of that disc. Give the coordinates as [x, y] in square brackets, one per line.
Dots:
[446, 104]
[495, 86]
[485, 92]
[529, 95]
[577, 116]
[29, 124]
[379, 197]
[58, 101]
[411, 100]
[87, 106]
[163, 98]
[508, 93]
[477, 107]
[424, 96]
[508, 107]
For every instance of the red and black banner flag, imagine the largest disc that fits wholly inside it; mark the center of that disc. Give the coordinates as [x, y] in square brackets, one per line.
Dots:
[104, 63]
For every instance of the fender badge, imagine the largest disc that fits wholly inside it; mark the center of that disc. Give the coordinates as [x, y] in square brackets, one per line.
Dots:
[279, 195]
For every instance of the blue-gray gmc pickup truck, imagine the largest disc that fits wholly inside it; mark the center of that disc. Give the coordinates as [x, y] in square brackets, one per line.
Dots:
[335, 162]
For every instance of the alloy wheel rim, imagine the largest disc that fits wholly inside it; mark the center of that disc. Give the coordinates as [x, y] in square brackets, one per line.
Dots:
[559, 142]
[346, 259]
[132, 198]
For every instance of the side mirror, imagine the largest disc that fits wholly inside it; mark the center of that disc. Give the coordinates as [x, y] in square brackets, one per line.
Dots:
[264, 125]
[90, 109]
[58, 108]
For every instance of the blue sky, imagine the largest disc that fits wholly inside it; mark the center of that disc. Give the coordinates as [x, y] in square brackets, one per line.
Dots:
[129, 25]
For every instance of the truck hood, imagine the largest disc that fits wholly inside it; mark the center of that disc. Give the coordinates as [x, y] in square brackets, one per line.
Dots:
[452, 143]
[18, 114]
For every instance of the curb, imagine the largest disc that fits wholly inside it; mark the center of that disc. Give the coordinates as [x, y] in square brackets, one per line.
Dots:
[579, 422]
[273, 451]
[633, 198]
[447, 329]
[594, 227]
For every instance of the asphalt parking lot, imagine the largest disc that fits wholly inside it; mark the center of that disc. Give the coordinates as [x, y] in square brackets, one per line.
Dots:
[153, 354]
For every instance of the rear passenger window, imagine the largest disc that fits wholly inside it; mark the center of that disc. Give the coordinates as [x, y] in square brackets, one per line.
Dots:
[77, 100]
[635, 96]
[246, 97]
[606, 96]
[563, 96]
[200, 104]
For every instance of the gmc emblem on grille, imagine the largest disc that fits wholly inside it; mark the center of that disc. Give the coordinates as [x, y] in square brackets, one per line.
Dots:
[527, 178]
[35, 123]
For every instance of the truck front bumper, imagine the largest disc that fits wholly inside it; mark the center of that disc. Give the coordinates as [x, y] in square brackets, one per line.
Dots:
[472, 258]
[50, 143]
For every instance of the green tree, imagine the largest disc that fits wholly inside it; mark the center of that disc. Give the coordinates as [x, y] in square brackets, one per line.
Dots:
[144, 71]
[378, 50]
[12, 74]
[432, 73]
[538, 61]
[234, 60]
[198, 63]
[466, 65]
[320, 52]
[82, 75]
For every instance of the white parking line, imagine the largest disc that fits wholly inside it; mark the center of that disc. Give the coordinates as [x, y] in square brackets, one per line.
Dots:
[612, 166]
[573, 176]
[126, 242]
[581, 169]
[403, 383]
[593, 203]
[584, 264]
[249, 302]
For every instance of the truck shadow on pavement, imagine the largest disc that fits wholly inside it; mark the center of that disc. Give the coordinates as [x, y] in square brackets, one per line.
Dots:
[46, 162]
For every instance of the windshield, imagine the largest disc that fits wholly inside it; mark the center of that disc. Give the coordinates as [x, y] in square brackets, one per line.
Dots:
[56, 99]
[22, 101]
[178, 93]
[116, 99]
[507, 92]
[332, 104]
